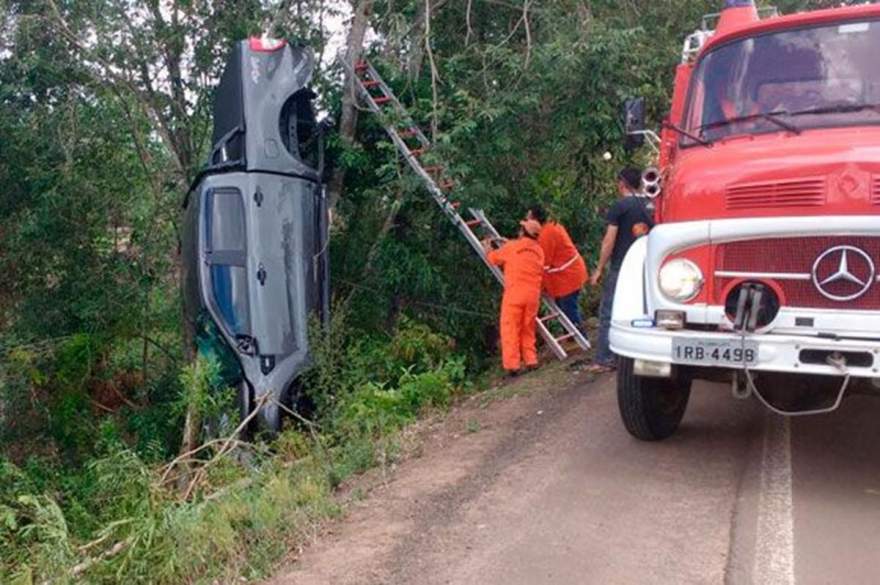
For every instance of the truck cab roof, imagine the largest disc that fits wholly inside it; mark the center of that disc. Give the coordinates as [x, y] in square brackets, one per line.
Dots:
[801, 19]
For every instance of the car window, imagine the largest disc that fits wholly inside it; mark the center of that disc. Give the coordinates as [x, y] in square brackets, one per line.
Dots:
[229, 286]
[226, 220]
[226, 247]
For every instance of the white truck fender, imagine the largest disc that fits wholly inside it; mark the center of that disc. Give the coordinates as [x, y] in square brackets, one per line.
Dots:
[629, 296]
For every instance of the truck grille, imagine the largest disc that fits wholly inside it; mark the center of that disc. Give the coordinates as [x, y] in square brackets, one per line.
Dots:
[808, 192]
[875, 190]
[788, 262]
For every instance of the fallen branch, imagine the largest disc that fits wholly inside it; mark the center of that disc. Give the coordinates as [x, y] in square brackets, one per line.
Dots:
[242, 483]
[225, 448]
[101, 406]
[91, 561]
[188, 456]
[297, 416]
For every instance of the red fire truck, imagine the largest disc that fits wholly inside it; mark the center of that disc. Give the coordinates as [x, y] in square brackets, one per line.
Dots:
[764, 267]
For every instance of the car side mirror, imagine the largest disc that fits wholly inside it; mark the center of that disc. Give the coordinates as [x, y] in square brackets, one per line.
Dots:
[325, 126]
[634, 122]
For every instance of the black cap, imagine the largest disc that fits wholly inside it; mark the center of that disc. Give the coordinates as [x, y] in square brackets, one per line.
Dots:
[538, 213]
[631, 176]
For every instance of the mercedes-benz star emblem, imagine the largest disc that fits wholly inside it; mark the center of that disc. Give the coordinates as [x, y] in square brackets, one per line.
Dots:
[843, 273]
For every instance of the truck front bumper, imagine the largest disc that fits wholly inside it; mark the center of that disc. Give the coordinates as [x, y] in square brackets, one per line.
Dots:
[776, 352]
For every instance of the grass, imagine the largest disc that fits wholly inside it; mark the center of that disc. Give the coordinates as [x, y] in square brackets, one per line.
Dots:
[120, 518]
[239, 525]
[473, 426]
[551, 372]
[123, 515]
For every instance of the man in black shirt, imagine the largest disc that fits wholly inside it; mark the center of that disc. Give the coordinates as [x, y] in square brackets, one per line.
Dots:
[627, 220]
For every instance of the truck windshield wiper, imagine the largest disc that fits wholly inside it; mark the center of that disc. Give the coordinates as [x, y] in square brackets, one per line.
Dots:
[772, 117]
[838, 109]
[687, 134]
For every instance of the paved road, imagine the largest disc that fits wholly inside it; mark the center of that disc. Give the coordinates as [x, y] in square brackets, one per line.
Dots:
[552, 490]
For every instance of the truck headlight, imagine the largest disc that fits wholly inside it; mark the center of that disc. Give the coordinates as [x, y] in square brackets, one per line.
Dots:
[681, 280]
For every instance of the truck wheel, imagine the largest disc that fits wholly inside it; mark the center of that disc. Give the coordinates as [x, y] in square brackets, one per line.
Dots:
[651, 408]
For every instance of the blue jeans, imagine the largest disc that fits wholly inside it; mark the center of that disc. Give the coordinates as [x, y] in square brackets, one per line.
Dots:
[569, 305]
[603, 350]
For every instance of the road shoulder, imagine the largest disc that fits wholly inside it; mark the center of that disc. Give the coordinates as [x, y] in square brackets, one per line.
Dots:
[450, 457]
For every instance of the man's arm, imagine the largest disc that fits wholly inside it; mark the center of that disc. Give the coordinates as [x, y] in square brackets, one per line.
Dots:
[494, 256]
[605, 253]
[548, 245]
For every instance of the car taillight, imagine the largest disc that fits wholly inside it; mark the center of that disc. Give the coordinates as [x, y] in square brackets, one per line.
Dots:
[265, 44]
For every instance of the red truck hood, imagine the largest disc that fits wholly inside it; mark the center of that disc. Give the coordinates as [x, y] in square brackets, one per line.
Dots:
[819, 172]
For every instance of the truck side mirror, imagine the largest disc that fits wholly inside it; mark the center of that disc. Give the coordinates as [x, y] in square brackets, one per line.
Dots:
[634, 122]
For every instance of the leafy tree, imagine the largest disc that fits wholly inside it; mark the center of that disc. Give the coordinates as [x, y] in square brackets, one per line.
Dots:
[105, 119]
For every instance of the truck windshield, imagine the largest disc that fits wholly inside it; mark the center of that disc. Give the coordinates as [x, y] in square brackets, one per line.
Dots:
[793, 80]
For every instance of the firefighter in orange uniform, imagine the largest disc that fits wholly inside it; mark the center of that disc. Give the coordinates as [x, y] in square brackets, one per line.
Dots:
[522, 261]
[565, 272]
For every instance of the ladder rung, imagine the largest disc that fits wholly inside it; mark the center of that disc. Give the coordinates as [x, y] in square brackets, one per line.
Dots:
[440, 185]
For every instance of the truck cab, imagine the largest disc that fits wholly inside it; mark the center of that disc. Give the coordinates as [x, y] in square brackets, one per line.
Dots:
[763, 267]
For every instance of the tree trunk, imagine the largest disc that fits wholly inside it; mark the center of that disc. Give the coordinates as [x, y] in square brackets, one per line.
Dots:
[192, 425]
[416, 50]
[348, 116]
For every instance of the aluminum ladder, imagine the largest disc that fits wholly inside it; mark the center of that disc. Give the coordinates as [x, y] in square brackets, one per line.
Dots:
[399, 125]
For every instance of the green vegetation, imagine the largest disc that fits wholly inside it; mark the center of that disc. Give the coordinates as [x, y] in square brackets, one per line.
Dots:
[120, 517]
[104, 120]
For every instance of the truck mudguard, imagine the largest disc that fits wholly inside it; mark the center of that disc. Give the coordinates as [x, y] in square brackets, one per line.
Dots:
[630, 300]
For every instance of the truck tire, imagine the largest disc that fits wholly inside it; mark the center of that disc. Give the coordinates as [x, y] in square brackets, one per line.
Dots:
[651, 408]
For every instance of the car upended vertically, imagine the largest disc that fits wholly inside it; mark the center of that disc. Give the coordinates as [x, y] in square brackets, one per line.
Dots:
[254, 238]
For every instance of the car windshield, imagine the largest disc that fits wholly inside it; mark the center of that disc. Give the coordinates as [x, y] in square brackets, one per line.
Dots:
[805, 78]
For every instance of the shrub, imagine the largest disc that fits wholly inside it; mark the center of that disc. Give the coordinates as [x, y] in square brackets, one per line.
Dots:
[110, 518]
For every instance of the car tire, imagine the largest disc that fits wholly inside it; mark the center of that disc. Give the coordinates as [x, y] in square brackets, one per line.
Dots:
[651, 408]
[245, 408]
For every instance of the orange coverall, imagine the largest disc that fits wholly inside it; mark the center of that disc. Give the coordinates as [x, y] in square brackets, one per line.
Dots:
[523, 263]
[566, 271]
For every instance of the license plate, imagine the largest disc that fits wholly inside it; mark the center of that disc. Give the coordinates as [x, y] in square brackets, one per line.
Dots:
[709, 352]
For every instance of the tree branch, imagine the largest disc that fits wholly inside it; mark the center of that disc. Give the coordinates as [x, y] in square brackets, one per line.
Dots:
[467, 20]
[434, 74]
[348, 116]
